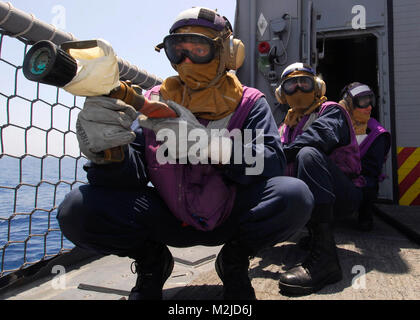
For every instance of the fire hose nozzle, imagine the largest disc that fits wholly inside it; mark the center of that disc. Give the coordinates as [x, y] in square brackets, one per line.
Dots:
[47, 63]
[50, 64]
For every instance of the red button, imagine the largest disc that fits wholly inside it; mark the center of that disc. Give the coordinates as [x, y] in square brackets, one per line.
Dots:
[264, 47]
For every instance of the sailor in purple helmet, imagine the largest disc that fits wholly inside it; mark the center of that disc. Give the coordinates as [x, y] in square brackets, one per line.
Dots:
[321, 149]
[374, 143]
[231, 193]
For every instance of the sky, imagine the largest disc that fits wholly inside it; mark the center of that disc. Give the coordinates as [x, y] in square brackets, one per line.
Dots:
[132, 27]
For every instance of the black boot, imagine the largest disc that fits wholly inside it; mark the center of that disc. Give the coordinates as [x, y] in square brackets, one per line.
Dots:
[153, 269]
[365, 219]
[232, 265]
[321, 267]
[305, 243]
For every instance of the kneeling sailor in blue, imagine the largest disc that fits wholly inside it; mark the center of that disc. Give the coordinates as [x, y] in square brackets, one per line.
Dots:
[321, 149]
[374, 143]
[212, 202]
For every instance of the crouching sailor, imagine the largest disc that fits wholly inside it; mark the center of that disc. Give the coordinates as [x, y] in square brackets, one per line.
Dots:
[374, 143]
[321, 149]
[211, 203]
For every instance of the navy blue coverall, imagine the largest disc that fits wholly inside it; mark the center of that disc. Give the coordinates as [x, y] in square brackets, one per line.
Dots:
[311, 150]
[117, 212]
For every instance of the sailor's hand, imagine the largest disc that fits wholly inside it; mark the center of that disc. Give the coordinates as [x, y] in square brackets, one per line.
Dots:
[184, 115]
[184, 129]
[104, 123]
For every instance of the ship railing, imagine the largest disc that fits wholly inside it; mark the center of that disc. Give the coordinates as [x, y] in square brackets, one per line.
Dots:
[40, 161]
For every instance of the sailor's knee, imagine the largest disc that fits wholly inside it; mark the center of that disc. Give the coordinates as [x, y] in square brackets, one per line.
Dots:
[308, 155]
[292, 206]
[300, 197]
[72, 214]
[294, 194]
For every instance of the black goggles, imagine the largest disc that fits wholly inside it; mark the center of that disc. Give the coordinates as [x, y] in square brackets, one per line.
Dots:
[364, 102]
[197, 47]
[304, 83]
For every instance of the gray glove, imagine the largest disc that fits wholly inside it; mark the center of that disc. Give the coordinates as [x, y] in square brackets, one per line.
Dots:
[216, 147]
[104, 123]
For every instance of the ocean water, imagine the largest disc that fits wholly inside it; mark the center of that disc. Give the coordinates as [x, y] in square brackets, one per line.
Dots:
[31, 189]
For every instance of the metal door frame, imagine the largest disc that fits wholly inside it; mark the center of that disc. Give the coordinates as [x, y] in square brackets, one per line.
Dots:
[386, 189]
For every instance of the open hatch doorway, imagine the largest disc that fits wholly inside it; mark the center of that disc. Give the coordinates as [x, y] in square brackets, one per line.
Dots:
[347, 60]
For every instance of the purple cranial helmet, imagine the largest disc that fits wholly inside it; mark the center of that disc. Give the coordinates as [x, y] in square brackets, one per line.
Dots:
[199, 16]
[230, 50]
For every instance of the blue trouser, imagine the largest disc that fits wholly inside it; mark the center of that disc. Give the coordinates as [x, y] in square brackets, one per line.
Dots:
[328, 184]
[121, 221]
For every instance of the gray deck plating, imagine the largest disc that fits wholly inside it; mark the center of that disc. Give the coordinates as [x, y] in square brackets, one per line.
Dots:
[383, 264]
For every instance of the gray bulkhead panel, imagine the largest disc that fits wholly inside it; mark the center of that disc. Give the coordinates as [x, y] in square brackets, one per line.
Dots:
[407, 72]
[339, 15]
[266, 14]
